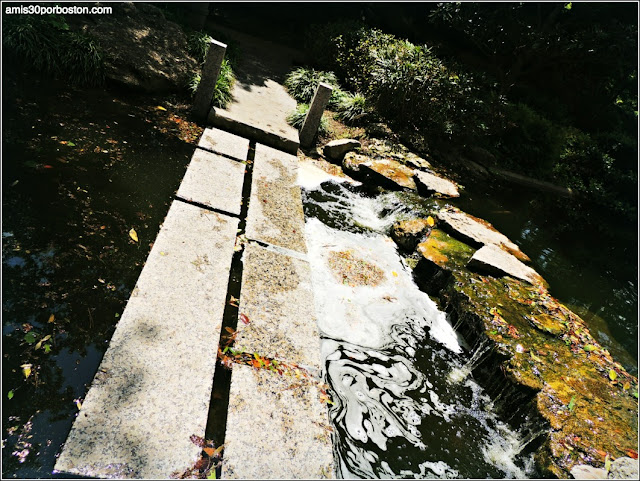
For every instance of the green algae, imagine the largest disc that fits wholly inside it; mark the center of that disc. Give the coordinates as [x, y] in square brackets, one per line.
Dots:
[570, 382]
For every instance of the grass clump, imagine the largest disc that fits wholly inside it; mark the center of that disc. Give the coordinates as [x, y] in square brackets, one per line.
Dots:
[47, 44]
[352, 109]
[198, 46]
[296, 119]
[302, 83]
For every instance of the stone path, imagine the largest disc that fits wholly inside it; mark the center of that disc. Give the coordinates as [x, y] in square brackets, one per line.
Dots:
[153, 387]
[260, 103]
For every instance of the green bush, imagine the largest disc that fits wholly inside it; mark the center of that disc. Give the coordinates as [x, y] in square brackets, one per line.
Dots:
[47, 44]
[352, 109]
[530, 140]
[296, 119]
[302, 83]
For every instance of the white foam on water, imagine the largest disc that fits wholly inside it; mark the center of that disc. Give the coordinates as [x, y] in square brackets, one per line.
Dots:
[310, 177]
[365, 315]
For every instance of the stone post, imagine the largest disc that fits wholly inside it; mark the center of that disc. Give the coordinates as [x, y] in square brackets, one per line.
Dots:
[208, 79]
[316, 109]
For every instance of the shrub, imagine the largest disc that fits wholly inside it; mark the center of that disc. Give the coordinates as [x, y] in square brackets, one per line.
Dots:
[296, 119]
[47, 44]
[302, 82]
[352, 108]
[530, 140]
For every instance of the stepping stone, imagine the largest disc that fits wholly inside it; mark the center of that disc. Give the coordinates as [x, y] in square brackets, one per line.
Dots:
[495, 260]
[152, 390]
[336, 149]
[477, 232]
[278, 301]
[225, 143]
[277, 428]
[390, 173]
[275, 213]
[214, 181]
[428, 184]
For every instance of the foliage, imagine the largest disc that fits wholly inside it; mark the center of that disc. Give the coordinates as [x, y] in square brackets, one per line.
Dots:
[352, 109]
[296, 119]
[302, 83]
[46, 43]
[530, 140]
[222, 93]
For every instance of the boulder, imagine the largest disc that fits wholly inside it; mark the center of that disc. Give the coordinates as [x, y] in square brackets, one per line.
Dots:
[390, 174]
[624, 468]
[352, 162]
[336, 149]
[384, 149]
[493, 259]
[143, 50]
[477, 232]
[584, 471]
[408, 233]
[428, 184]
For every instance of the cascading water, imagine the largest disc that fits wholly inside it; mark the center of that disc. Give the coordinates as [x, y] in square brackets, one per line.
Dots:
[390, 353]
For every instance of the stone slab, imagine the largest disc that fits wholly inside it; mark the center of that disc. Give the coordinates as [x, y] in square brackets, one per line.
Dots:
[476, 231]
[275, 213]
[276, 428]
[429, 183]
[495, 260]
[214, 181]
[260, 104]
[277, 298]
[152, 389]
[224, 143]
[336, 149]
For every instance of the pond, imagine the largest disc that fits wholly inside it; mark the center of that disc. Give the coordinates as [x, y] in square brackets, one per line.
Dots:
[82, 171]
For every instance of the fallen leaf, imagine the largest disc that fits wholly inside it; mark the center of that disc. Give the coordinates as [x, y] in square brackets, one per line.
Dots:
[160, 107]
[26, 370]
[209, 451]
[613, 375]
[244, 318]
[10, 394]
[430, 221]
[133, 234]
[51, 318]
[394, 273]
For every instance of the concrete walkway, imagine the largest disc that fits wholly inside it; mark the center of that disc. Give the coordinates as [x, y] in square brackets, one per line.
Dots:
[153, 387]
[260, 103]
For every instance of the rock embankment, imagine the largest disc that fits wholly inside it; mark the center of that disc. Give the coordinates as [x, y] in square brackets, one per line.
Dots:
[543, 359]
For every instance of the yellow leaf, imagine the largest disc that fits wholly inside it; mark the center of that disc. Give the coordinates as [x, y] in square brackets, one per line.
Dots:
[160, 107]
[395, 274]
[26, 370]
[78, 404]
[626, 386]
[51, 318]
[133, 234]
[430, 221]
[613, 375]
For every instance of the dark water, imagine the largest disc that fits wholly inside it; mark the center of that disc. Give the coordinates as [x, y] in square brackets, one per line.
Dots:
[409, 407]
[405, 402]
[80, 169]
[592, 270]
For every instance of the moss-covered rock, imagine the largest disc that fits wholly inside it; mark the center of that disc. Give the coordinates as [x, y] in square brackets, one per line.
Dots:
[542, 356]
[407, 233]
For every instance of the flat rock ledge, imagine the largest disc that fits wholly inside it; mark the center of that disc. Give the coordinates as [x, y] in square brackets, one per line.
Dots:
[429, 184]
[477, 232]
[542, 360]
[493, 259]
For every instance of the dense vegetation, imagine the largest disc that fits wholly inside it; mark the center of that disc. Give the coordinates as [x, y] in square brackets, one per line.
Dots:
[548, 89]
[47, 45]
